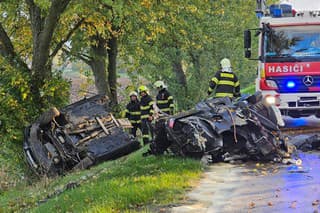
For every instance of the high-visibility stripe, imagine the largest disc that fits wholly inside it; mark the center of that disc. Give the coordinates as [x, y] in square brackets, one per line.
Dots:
[126, 110]
[171, 105]
[215, 80]
[150, 103]
[210, 89]
[227, 75]
[135, 122]
[166, 110]
[237, 84]
[162, 101]
[144, 116]
[144, 107]
[231, 83]
[145, 136]
[135, 113]
[223, 94]
[170, 98]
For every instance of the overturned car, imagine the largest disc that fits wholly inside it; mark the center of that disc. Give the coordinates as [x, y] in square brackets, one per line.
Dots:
[76, 137]
[225, 130]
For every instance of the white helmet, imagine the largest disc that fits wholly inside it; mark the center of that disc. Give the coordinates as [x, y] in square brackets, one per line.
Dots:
[133, 93]
[225, 63]
[159, 84]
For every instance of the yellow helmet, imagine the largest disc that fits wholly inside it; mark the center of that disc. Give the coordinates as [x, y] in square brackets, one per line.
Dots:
[159, 84]
[225, 63]
[143, 88]
[133, 93]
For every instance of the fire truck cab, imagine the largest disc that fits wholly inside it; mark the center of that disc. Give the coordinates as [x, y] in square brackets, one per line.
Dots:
[289, 56]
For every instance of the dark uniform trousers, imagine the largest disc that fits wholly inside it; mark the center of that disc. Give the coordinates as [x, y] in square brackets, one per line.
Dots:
[134, 115]
[146, 108]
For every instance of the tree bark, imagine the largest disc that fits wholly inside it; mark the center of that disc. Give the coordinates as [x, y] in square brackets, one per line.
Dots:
[98, 65]
[42, 33]
[195, 58]
[112, 68]
[7, 50]
[178, 70]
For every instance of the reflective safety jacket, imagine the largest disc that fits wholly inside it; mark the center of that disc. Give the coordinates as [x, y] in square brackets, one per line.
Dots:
[164, 101]
[146, 106]
[225, 84]
[133, 112]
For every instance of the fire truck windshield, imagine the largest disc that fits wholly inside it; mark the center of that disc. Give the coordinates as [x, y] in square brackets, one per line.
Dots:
[296, 43]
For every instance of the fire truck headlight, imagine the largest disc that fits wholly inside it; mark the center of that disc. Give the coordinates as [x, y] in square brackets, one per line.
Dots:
[270, 100]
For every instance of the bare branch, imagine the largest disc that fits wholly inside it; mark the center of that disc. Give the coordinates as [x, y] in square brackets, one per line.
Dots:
[85, 58]
[8, 49]
[61, 43]
[6, 42]
[51, 21]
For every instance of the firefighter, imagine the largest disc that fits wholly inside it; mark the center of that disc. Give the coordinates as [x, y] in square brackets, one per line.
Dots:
[164, 100]
[146, 109]
[133, 112]
[225, 82]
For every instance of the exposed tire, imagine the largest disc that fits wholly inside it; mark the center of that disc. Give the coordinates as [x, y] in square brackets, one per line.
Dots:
[48, 116]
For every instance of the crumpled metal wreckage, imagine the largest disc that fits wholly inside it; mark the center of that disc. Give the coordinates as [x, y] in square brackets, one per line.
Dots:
[85, 133]
[225, 131]
[76, 137]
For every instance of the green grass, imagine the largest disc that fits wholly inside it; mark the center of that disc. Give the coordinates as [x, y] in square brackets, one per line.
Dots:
[249, 90]
[127, 184]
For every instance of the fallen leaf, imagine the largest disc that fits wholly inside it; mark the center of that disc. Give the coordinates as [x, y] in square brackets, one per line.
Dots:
[316, 203]
[252, 205]
[293, 205]
[270, 204]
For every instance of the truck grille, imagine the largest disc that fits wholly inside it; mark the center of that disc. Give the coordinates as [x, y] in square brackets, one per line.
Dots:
[299, 85]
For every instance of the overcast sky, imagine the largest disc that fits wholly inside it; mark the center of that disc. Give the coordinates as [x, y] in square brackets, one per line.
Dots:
[305, 4]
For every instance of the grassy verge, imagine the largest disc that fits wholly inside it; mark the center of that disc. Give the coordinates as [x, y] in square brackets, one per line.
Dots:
[249, 90]
[127, 184]
[12, 169]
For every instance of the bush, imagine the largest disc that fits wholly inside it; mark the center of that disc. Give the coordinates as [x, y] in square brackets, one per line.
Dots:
[17, 110]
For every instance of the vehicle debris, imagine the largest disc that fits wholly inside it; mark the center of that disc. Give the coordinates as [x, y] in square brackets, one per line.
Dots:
[306, 142]
[76, 137]
[225, 130]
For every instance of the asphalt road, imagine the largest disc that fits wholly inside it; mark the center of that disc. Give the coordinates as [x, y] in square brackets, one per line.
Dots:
[257, 187]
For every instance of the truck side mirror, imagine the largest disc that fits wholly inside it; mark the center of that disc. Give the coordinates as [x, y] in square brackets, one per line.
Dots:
[247, 43]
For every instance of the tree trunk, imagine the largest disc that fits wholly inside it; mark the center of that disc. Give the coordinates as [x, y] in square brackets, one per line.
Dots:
[180, 75]
[42, 32]
[195, 58]
[178, 70]
[112, 68]
[98, 65]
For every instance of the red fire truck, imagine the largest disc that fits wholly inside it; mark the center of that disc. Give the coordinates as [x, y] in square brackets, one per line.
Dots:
[289, 56]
